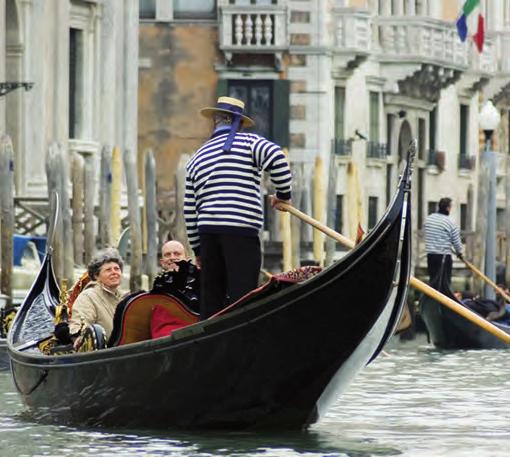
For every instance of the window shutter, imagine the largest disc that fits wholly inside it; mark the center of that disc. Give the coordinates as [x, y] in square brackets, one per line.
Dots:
[281, 112]
[222, 88]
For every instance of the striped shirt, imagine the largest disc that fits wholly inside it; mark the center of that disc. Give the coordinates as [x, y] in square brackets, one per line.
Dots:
[441, 234]
[223, 188]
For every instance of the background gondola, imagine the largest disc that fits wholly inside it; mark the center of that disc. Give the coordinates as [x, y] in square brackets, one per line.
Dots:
[449, 330]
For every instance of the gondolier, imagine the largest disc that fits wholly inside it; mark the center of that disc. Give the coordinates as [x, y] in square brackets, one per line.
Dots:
[441, 236]
[222, 205]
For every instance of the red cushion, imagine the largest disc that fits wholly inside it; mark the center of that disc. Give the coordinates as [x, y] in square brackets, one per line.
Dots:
[163, 323]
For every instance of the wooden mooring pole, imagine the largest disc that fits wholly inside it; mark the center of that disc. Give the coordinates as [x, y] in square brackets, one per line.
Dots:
[88, 209]
[7, 212]
[151, 215]
[65, 211]
[105, 197]
[77, 172]
[116, 194]
[52, 177]
[135, 279]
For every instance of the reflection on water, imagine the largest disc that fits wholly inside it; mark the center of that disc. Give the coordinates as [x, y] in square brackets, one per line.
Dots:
[414, 402]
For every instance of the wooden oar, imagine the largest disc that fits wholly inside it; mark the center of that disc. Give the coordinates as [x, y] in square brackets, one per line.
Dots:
[488, 280]
[414, 282]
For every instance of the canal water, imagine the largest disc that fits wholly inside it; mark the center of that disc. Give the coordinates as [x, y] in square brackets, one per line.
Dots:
[414, 401]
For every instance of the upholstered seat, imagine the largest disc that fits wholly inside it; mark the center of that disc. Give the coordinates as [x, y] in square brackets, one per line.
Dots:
[132, 320]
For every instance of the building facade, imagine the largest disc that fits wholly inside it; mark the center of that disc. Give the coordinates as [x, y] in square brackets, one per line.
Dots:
[81, 59]
[348, 81]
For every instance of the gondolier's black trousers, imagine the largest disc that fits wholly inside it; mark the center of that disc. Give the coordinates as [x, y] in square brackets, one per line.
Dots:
[434, 265]
[230, 269]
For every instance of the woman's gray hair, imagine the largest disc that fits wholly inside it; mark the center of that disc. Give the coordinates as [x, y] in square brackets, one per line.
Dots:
[100, 258]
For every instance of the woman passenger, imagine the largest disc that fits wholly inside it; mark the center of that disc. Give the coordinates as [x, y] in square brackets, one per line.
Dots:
[96, 304]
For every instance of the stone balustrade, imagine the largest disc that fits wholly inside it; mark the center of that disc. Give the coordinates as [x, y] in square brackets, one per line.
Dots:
[254, 28]
[352, 30]
[423, 39]
[502, 49]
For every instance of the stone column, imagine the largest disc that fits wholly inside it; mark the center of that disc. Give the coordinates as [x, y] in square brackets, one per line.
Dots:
[108, 71]
[411, 7]
[2, 65]
[130, 75]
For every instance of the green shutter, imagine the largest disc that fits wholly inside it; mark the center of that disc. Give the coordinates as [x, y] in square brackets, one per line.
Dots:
[222, 88]
[281, 112]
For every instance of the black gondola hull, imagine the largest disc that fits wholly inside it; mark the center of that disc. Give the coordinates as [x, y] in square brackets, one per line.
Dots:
[276, 362]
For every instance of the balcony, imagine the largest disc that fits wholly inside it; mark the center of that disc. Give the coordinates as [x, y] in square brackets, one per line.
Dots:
[376, 150]
[259, 28]
[352, 37]
[498, 87]
[466, 162]
[420, 55]
[436, 158]
[342, 148]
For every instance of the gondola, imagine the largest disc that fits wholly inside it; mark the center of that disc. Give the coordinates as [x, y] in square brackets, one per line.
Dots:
[449, 330]
[274, 360]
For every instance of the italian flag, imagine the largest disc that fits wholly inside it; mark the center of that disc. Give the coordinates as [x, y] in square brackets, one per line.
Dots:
[462, 24]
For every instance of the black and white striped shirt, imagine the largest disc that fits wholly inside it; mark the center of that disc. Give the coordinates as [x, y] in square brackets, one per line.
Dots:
[441, 234]
[223, 188]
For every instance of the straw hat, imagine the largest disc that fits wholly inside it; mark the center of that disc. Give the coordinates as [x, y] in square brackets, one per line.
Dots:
[228, 105]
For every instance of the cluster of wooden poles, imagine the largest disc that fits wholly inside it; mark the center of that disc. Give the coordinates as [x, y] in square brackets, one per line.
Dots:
[74, 177]
[78, 229]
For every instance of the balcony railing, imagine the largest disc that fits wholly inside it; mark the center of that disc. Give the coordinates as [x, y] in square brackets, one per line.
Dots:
[253, 28]
[420, 39]
[376, 150]
[342, 147]
[352, 30]
[502, 45]
[436, 158]
[486, 62]
[466, 162]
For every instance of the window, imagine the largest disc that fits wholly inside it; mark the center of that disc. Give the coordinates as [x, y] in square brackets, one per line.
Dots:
[266, 102]
[500, 219]
[194, 9]
[75, 82]
[340, 144]
[464, 113]
[463, 216]
[147, 9]
[374, 117]
[372, 212]
[258, 102]
[432, 129]
[339, 219]
[421, 138]
[339, 112]
[431, 207]
[390, 123]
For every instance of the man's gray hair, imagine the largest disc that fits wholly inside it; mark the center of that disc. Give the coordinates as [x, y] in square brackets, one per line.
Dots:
[221, 118]
[100, 258]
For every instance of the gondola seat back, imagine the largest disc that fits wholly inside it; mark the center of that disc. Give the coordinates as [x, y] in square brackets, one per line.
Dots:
[132, 320]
